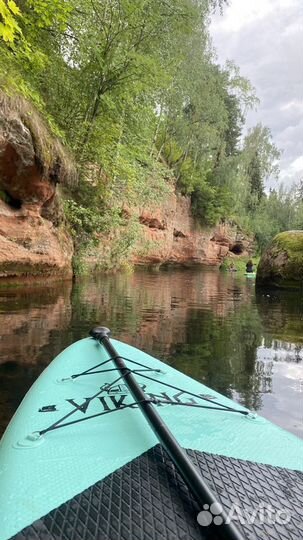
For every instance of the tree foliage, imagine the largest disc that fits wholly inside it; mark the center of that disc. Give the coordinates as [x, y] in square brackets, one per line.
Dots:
[134, 89]
[9, 24]
[280, 210]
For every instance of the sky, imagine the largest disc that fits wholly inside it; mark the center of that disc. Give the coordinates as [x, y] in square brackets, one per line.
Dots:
[265, 39]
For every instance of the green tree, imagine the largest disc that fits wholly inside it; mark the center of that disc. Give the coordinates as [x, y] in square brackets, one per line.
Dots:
[133, 88]
[260, 157]
[9, 23]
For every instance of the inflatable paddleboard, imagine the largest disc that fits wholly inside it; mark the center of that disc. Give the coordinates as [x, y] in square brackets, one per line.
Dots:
[79, 460]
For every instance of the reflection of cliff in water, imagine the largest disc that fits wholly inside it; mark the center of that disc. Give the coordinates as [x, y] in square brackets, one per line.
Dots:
[152, 310]
[29, 318]
[203, 323]
[206, 324]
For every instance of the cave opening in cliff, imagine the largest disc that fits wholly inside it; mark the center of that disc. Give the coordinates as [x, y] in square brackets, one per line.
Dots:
[15, 204]
[237, 249]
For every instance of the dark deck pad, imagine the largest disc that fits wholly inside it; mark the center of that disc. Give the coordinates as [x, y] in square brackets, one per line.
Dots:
[147, 500]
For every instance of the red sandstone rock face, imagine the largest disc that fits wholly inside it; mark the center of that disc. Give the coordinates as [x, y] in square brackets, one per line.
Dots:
[29, 244]
[32, 246]
[20, 172]
[170, 235]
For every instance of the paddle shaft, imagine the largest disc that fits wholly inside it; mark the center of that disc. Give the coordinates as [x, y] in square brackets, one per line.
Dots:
[179, 457]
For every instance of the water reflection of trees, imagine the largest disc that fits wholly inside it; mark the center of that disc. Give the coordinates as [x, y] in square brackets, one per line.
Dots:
[281, 313]
[294, 351]
[206, 324]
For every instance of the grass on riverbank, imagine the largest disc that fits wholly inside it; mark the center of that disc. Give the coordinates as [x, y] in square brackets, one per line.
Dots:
[239, 263]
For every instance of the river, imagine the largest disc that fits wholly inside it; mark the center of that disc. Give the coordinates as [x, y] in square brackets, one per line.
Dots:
[210, 325]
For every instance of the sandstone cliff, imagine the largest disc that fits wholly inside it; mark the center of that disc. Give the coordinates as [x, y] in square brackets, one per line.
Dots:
[171, 235]
[168, 234]
[33, 239]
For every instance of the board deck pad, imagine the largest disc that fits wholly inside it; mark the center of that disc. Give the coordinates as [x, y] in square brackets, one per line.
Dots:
[148, 500]
[110, 451]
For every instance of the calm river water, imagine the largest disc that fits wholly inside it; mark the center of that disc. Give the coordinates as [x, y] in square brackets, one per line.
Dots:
[207, 324]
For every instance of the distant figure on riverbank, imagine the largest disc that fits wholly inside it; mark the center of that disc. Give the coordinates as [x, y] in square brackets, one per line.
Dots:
[250, 267]
[232, 267]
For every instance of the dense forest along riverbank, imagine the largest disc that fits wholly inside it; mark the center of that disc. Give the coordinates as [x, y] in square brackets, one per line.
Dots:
[207, 324]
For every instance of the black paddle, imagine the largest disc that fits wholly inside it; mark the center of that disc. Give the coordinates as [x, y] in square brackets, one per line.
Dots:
[186, 468]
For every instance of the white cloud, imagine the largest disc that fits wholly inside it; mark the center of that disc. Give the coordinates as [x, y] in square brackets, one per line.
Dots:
[297, 165]
[264, 37]
[295, 106]
[242, 12]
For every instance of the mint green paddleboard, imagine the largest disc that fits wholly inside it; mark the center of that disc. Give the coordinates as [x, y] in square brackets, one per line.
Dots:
[97, 471]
